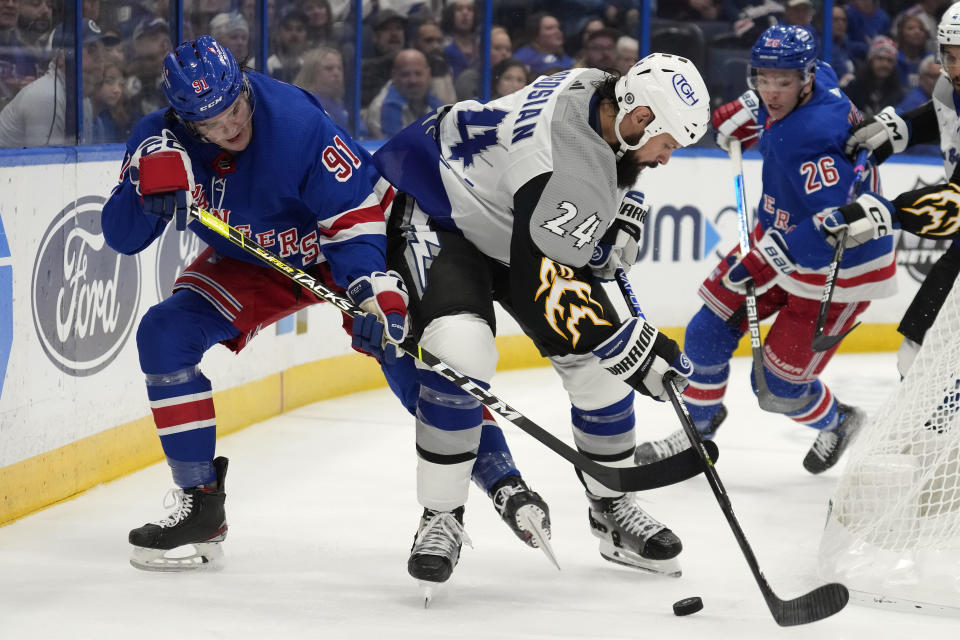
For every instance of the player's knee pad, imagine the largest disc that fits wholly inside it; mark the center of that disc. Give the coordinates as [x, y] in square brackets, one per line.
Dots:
[175, 333]
[906, 354]
[709, 340]
[465, 342]
[589, 386]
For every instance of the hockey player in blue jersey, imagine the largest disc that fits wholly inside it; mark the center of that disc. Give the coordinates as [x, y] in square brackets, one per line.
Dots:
[507, 202]
[799, 120]
[263, 156]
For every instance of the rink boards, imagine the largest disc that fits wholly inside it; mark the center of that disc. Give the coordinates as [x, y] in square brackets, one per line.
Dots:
[73, 409]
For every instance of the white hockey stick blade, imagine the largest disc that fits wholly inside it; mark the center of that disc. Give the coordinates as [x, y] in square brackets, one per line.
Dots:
[540, 537]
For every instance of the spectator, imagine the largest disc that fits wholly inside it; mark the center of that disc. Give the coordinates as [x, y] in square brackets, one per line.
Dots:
[928, 11]
[322, 75]
[545, 48]
[151, 42]
[320, 29]
[460, 24]
[404, 99]
[126, 15]
[35, 23]
[429, 41]
[17, 67]
[877, 84]
[467, 84]
[113, 121]
[38, 115]
[800, 13]
[921, 94]
[601, 50]
[865, 21]
[198, 14]
[840, 58]
[590, 27]
[232, 31]
[912, 40]
[291, 38]
[506, 77]
[90, 9]
[691, 10]
[628, 52]
[250, 11]
[113, 49]
[389, 38]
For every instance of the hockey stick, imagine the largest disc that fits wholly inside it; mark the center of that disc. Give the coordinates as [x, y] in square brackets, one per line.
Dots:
[766, 400]
[820, 603]
[678, 468]
[822, 342]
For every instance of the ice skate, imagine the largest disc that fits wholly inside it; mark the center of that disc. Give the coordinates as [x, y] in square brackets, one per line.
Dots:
[655, 450]
[631, 537]
[830, 443]
[525, 513]
[436, 549]
[189, 538]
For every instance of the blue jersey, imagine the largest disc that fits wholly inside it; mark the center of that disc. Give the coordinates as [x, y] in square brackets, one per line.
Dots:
[805, 171]
[302, 188]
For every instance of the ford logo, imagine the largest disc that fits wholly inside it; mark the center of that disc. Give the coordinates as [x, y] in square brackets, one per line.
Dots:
[85, 296]
[684, 90]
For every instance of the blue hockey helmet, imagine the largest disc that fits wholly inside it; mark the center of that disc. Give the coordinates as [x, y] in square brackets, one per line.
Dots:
[201, 79]
[784, 47]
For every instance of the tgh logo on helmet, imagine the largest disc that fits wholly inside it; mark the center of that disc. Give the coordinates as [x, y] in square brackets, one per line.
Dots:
[684, 90]
[85, 296]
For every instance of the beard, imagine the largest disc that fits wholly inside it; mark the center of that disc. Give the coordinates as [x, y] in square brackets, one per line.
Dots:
[629, 168]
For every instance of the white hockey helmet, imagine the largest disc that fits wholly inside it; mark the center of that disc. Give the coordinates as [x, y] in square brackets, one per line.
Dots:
[672, 88]
[948, 32]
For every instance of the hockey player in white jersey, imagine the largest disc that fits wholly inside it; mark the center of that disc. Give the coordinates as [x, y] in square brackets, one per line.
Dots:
[508, 202]
[937, 120]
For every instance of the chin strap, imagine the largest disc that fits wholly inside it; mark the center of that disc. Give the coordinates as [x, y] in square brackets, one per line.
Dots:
[624, 145]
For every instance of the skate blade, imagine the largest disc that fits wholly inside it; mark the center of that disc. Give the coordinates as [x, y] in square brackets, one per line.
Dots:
[617, 555]
[428, 590]
[531, 519]
[206, 556]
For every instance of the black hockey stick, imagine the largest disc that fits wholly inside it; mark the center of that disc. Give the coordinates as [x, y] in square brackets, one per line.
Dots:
[766, 400]
[820, 603]
[678, 468]
[823, 342]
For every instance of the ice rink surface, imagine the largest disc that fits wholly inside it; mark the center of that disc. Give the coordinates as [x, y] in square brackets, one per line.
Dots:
[322, 510]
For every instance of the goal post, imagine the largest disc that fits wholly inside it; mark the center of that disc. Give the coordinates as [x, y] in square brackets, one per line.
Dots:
[893, 528]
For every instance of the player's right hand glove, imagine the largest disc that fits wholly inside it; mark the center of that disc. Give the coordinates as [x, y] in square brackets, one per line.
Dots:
[620, 245]
[737, 119]
[883, 134]
[867, 218]
[384, 325]
[641, 356]
[164, 177]
[765, 262]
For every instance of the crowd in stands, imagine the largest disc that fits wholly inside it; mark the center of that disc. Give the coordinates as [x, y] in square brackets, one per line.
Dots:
[418, 54]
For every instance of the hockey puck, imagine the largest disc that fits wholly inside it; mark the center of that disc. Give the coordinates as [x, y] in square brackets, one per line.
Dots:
[687, 606]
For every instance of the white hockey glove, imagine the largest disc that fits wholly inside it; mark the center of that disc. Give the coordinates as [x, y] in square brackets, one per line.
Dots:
[641, 356]
[867, 218]
[883, 134]
[767, 261]
[620, 245]
[384, 325]
[737, 120]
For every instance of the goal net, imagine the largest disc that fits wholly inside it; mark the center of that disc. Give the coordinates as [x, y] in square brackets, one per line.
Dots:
[893, 530]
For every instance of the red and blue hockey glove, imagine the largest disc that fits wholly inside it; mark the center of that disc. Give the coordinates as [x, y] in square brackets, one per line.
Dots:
[883, 134]
[620, 245]
[737, 119]
[763, 264]
[384, 325]
[163, 174]
[641, 356]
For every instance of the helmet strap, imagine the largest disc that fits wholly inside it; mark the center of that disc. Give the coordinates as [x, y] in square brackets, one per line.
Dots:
[624, 145]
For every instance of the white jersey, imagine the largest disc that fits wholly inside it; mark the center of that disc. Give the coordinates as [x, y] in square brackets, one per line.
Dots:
[949, 123]
[539, 138]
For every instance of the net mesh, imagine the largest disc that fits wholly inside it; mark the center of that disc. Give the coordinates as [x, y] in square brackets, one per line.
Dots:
[894, 523]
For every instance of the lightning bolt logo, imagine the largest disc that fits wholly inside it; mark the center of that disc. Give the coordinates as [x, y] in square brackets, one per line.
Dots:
[556, 281]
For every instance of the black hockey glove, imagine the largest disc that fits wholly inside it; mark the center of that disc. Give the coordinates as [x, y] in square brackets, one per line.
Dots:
[883, 134]
[620, 245]
[641, 356]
